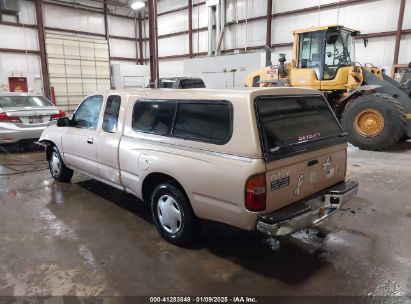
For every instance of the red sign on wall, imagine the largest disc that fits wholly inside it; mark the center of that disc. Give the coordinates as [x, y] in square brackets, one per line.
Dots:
[18, 84]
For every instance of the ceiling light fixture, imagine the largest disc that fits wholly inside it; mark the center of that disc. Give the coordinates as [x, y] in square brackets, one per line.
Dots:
[136, 5]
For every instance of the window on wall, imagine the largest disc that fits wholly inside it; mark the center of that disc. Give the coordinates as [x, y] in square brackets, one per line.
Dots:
[191, 120]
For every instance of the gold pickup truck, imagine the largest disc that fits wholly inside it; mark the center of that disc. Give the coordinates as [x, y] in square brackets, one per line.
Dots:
[267, 159]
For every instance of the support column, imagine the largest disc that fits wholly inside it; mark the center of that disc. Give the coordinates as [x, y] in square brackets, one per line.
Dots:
[42, 47]
[269, 22]
[399, 30]
[153, 41]
[136, 38]
[107, 32]
[140, 38]
[190, 28]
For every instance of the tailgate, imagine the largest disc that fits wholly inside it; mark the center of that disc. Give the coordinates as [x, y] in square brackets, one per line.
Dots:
[304, 147]
[294, 178]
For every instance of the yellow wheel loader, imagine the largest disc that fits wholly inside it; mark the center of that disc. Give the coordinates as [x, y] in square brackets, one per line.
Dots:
[373, 108]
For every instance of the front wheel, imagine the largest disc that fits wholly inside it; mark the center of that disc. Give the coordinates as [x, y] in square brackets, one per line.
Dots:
[374, 122]
[58, 169]
[172, 213]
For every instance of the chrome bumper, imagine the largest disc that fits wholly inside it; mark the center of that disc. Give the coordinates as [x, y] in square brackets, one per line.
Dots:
[308, 212]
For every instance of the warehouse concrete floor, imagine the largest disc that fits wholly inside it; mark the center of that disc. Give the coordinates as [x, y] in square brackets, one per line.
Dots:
[86, 238]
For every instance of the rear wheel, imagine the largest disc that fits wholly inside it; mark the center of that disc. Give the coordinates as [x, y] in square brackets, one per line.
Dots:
[374, 122]
[58, 169]
[172, 213]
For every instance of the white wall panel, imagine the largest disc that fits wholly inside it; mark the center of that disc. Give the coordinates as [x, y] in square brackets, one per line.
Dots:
[167, 5]
[27, 14]
[246, 9]
[200, 44]
[73, 19]
[27, 65]
[174, 22]
[173, 46]
[237, 38]
[371, 17]
[122, 48]
[405, 49]
[215, 71]
[119, 26]
[203, 20]
[18, 38]
[280, 6]
[170, 68]
[379, 52]
[407, 15]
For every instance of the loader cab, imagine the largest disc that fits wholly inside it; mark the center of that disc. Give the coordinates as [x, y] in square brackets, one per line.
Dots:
[321, 55]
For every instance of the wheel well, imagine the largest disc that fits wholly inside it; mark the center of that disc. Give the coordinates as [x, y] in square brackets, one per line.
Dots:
[154, 179]
[339, 110]
[49, 145]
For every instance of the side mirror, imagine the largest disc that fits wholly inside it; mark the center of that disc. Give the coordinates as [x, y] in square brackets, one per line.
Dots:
[63, 122]
[365, 38]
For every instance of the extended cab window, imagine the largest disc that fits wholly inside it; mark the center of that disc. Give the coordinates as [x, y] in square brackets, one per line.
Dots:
[111, 114]
[200, 120]
[153, 116]
[88, 113]
[292, 124]
[203, 121]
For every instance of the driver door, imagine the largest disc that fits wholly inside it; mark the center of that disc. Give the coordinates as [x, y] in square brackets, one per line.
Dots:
[79, 146]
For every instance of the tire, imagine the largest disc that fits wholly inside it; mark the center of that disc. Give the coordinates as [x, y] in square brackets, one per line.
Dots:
[384, 107]
[58, 169]
[173, 215]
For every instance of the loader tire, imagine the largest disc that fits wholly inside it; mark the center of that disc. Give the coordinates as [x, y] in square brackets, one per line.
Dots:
[374, 122]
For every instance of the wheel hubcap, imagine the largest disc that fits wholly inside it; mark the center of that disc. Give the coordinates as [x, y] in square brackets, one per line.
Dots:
[169, 214]
[369, 122]
[55, 164]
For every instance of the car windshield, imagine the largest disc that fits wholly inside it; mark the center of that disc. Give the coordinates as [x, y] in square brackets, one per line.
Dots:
[24, 101]
[288, 122]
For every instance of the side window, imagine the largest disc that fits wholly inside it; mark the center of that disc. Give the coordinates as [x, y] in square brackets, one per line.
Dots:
[87, 114]
[153, 117]
[111, 113]
[203, 121]
[310, 52]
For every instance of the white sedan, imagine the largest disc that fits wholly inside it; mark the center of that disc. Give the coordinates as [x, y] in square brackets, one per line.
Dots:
[23, 117]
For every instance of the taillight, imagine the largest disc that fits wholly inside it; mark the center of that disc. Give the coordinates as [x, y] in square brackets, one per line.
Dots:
[255, 193]
[5, 118]
[57, 116]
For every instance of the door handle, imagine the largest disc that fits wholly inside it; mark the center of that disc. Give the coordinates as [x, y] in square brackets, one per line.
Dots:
[90, 141]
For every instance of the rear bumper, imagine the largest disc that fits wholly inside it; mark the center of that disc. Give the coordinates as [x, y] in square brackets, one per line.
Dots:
[308, 212]
[10, 134]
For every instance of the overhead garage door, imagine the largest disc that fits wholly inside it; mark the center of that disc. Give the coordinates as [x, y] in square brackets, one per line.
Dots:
[78, 66]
